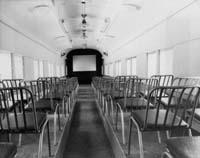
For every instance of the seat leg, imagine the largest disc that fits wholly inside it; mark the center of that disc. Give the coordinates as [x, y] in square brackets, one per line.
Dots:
[55, 125]
[112, 109]
[106, 103]
[140, 144]
[123, 128]
[159, 137]
[103, 106]
[69, 105]
[129, 138]
[72, 98]
[106, 106]
[100, 98]
[39, 147]
[168, 134]
[63, 107]
[97, 95]
[9, 137]
[20, 140]
[122, 123]
[139, 138]
[59, 124]
[48, 137]
[166, 155]
[190, 132]
[116, 119]
[41, 139]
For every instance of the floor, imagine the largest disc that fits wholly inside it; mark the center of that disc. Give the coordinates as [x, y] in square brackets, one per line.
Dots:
[87, 137]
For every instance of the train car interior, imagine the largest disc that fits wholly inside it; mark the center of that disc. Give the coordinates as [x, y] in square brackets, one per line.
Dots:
[99, 78]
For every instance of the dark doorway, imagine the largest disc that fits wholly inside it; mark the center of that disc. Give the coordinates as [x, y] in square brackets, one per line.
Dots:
[84, 64]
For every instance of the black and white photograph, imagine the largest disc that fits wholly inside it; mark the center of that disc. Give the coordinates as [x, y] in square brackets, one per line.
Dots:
[99, 78]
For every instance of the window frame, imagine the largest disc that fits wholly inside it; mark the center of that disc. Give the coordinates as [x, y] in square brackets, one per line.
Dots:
[10, 74]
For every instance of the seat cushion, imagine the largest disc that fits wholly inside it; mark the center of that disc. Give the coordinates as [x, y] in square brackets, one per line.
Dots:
[184, 147]
[117, 94]
[133, 103]
[140, 115]
[30, 122]
[54, 99]
[196, 113]
[165, 101]
[58, 99]
[7, 150]
[106, 92]
[184, 101]
[44, 105]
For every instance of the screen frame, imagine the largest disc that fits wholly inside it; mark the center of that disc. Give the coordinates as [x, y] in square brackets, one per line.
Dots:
[84, 56]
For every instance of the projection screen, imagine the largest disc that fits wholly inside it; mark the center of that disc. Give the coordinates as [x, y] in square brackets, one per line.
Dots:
[84, 63]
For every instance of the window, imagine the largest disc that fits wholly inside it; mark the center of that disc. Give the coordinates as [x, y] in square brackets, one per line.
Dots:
[62, 70]
[118, 68]
[108, 69]
[133, 66]
[57, 70]
[152, 64]
[111, 72]
[18, 70]
[52, 70]
[36, 69]
[41, 69]
[5, 65]
[166, 61]
[105, 69]
[128, 66]
[49, 69]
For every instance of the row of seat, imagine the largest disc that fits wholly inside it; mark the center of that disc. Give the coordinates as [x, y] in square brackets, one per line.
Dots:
[26, 106]
[159, 103]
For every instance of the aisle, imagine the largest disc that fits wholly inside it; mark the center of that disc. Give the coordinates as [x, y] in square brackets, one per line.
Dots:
[87, 137]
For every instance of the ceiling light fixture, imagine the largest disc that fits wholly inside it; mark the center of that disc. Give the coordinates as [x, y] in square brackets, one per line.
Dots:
[84, 15]
[84, 36]
[60, 38]
[41, 9]
[83, 6]
[64, 27]
[83, 1]
[107, 23]
[84, 22]
[137, 7]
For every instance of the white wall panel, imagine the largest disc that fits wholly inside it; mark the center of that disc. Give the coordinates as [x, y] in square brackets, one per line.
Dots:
[28, 68]
[180, 32]
[14, 41]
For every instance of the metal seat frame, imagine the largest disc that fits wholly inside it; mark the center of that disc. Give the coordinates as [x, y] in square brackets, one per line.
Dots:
[135, 89]
[6, 126]
[176, 112]
[50, 88]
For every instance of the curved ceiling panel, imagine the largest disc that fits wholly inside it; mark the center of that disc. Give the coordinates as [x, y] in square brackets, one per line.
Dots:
[107, 24]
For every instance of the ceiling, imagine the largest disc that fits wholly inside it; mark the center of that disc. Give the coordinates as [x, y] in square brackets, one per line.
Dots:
[108, 23]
